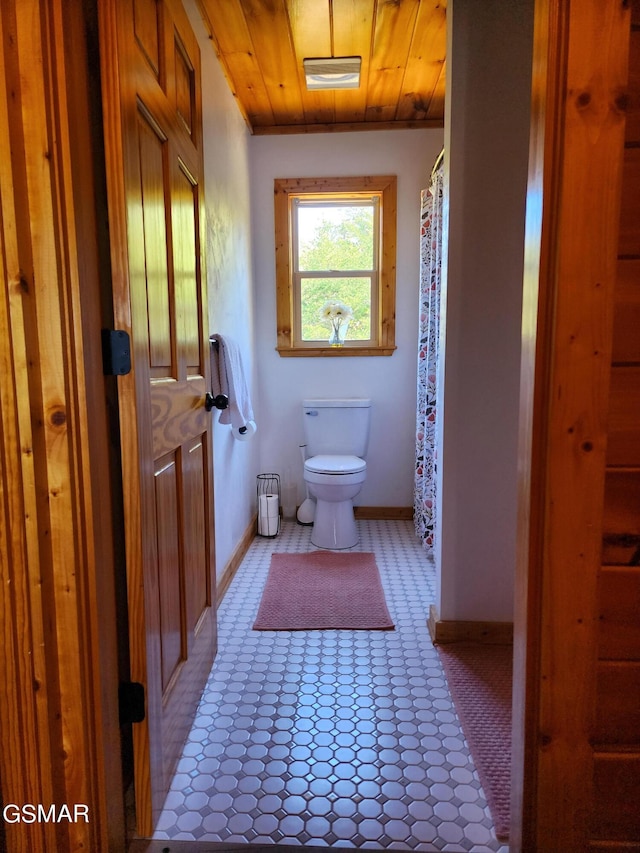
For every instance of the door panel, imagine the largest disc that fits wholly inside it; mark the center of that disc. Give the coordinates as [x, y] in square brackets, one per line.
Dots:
[198, 592]
[146, 28]
[169, 569]
[185, 254]
[184, 86]
[156, 197]
[152, 181]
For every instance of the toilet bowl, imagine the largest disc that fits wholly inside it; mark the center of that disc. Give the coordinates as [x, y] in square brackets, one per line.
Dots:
[337, 436]
[334, 480]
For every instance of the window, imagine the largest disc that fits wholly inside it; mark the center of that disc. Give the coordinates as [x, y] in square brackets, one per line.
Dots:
[335, 266]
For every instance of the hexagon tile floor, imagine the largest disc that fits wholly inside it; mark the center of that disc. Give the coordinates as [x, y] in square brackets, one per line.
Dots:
[331, 738]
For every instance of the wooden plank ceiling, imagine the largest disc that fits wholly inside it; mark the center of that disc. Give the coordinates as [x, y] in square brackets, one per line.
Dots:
[261, 45]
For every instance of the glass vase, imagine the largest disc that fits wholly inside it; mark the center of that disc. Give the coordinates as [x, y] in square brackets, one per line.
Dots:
[338, 334]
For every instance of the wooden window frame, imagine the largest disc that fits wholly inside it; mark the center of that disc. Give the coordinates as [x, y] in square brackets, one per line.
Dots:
[286, 191]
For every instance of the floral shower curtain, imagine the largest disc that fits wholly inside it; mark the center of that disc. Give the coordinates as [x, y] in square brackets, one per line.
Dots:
[428, 342]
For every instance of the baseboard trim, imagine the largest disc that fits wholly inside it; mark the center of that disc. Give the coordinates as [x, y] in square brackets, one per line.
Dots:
[403, 513]
[457, 631]
[236, 558]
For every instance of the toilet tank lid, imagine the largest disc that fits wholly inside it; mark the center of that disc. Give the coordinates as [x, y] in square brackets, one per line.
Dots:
[338, 403]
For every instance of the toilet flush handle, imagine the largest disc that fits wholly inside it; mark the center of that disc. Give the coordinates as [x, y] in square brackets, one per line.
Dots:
[313, 413]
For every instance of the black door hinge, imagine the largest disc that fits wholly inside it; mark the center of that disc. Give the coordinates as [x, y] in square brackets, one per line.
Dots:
[131, 702]
[116, 352]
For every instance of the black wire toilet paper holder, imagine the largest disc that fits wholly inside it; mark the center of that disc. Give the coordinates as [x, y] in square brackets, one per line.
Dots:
[268, 485]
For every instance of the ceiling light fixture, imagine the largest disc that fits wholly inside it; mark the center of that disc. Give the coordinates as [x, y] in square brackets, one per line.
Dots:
[342, 72]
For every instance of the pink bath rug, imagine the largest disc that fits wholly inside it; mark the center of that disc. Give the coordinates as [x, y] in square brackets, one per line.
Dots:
[480, 681]
[323, 589]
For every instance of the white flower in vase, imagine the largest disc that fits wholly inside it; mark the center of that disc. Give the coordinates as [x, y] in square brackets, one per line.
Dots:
[337, 316]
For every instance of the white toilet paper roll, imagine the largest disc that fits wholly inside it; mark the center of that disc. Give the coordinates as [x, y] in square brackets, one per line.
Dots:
[268, 505]
[268, 513]
[249, 430]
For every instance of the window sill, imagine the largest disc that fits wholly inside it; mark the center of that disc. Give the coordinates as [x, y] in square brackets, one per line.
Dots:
[333, 352]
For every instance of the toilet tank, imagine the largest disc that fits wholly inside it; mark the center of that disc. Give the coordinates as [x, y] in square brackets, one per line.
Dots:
[338, 426]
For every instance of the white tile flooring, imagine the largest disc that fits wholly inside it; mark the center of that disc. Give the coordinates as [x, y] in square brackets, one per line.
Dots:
[330, 738]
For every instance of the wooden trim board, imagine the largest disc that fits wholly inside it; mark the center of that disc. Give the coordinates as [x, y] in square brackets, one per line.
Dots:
[236, 558]
[457, 631]
[361, 512]
[287, 191]
[403, 513]
[345, 127]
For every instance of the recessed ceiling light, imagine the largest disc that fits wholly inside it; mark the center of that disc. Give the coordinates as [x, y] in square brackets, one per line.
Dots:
[341, 72]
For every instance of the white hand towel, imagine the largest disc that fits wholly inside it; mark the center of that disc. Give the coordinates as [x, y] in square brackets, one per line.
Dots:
[227, 377]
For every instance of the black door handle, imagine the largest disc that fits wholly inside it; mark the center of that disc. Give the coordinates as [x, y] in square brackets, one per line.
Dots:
[220, 401]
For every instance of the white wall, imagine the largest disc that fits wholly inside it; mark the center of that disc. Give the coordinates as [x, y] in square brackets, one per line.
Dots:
[229, 277]
[389, 381]
[487, 135]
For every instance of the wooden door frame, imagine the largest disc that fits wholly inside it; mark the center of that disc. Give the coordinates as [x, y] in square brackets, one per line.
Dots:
[43, 230]
[59, 725]
[576, 152]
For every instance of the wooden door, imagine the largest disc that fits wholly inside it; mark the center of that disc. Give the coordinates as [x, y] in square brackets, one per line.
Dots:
[153, 135]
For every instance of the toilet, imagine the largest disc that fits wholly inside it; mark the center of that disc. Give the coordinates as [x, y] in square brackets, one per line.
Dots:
[337, 434]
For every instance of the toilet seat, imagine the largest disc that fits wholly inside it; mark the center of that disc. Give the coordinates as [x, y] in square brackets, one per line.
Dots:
[335, 465]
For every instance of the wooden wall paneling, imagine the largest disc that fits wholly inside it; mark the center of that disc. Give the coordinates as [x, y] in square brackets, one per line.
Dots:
[630, 207]
[580, 67]
[394, 27]
[623, 447]
[633, 109]
[54, 412]
[352, 25]
[233, 45]
[618, 705]
[619, 609]
[626, 321]
[622, 497]
[621, 550]
[24, 732]
[75, 556]
[616, 816]
[621, 524]
[83, 141]
[59, 638]
[418, 98]
[617, 721]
